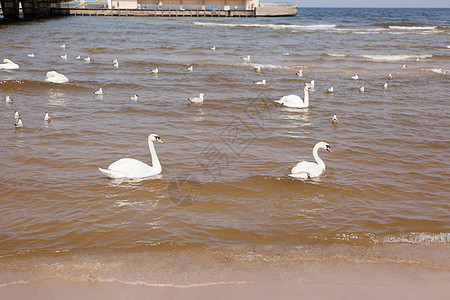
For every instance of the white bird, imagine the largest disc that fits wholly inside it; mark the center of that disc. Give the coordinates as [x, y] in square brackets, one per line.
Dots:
[330, 90]
[246, 59]
[389, 76]
[190, 68]
[295, 101]
[63, 46]
[362, 89]
[135, 169]
[116, 65]
[47, 118]
[18, 124]
[155, 71]
[213, 48]
[261, 82]
[286, 54]
[134, 98]
[87, 59]
[355, 77]
[31, 55]
[115, 61]
[55, 77]
[334, 120]
[16, 115]
[198, 99]
[8, 100]
[64, 57]
[417, 59]
[99, 92]
[8, 65]
[299, 73]
[404, 66]
[78, 57]
[310, 84]
[385, 85]
[257, 68]
[307, 169]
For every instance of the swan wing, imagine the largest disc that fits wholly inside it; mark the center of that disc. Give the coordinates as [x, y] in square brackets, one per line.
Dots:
[130, 168]
[305, 168]
[291, 101]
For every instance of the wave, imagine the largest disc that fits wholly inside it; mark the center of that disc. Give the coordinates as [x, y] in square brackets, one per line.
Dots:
[437, 70]
[274, 26]
[417, 238]
[383, 57]
[413, 27]
[191, 285]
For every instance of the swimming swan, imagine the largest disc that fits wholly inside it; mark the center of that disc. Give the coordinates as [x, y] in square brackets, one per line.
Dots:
[55, 77]
[306, 169]
[8, 65]
[132, 168]
[295, 101]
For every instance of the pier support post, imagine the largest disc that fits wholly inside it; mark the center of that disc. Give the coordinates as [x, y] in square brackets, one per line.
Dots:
[10, 9]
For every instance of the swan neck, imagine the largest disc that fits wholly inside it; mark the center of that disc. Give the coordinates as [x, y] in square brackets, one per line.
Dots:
[155, 161]
[319, 161]
[306, 102]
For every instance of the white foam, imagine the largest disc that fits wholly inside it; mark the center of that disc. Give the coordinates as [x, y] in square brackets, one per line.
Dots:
[14, 282]
[395, 57]
[413, 27]
[418, 238]
[436, 70]
[274, 26]
[192, 285]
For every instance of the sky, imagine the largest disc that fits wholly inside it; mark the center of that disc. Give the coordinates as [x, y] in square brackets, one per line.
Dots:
[373, 3]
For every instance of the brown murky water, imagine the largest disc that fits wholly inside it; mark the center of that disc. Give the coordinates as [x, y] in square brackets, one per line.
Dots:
[225, 187]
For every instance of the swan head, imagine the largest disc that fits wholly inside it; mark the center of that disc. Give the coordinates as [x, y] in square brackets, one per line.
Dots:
[154, 138]
[325, 146]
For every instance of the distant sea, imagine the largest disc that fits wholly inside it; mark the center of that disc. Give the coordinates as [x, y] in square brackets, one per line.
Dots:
[224, 194]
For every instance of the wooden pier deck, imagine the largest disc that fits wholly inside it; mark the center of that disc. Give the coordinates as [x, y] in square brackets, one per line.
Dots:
[157, 12]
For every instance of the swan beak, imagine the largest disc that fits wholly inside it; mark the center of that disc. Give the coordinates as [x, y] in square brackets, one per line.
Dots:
[329, 149]
[159, 139]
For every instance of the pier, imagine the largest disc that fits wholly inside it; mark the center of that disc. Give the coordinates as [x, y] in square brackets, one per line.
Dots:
[32, 9]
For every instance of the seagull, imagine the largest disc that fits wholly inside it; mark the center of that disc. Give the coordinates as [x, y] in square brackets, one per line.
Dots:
[246, 59]
[389, 76]
[257, 68]
[134, 98]
[361, 89]
[286, 54]
[385, 85]
[87, 59]
[16, 115]
[404, 66]
[330, 90]
[116, 64]
[31, 55]
[18, 124]
[261, 82]
[115, 61]
[417, 58]
[155, 71]
[299, 73]
[77, 57]
[190, 68]
[334, 120]
[8, 100]
[355, 77]
[198, 99]
[99, 92]
[47, 118]
[64, 57]
[63, 46]
[213, 48]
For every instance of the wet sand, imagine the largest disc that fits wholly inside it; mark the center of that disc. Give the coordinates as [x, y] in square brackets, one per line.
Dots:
[308, 280]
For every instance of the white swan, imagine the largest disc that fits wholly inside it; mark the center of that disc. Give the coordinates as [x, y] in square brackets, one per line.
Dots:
[132, 168]
[306, 169]
[198, 99]
[295, 101]
[55, 77]
[8, 65]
